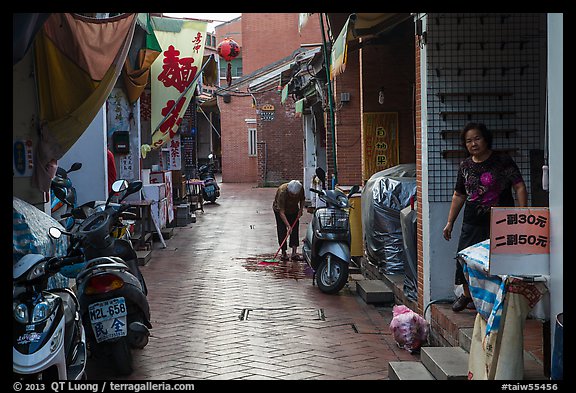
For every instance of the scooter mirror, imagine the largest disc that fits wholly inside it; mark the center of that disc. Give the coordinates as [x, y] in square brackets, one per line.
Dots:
[210, 156]
[54, 232]
[75, 167]
[354, 190]
[321, 174]
[119, 185]
[60, 193]
[134, 186]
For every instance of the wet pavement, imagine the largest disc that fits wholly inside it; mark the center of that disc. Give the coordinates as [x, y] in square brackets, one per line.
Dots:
[221, 310]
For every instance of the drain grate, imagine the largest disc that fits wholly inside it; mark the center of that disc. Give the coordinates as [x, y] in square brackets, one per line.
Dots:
[282, 314]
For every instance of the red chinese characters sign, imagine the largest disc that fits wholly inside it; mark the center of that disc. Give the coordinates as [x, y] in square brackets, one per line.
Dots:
[174, 78]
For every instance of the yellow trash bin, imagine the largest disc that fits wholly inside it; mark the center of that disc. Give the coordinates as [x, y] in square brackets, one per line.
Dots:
[357, 245]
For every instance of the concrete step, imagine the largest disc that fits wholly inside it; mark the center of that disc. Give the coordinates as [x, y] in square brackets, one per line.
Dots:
[374, 291]
[445, 363]
[166, 234]
[402, 371]
[465, 338]
[144, 257]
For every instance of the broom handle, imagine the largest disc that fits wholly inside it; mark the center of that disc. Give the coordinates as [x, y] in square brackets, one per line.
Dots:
[286, 238]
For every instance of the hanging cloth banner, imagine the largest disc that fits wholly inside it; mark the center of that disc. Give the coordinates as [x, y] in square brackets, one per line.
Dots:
[77, 62]
[174, 78]
[136, 70]
[339, 53]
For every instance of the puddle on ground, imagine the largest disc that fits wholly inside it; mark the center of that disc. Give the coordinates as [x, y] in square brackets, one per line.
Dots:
[282, 269]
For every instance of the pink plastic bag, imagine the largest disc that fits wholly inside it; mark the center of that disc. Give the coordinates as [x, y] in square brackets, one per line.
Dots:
[409, 329]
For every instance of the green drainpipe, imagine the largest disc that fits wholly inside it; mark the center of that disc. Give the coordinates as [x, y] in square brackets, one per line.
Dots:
[330, 100]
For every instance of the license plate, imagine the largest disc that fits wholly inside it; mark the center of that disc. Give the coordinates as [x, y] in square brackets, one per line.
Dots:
[108, 319]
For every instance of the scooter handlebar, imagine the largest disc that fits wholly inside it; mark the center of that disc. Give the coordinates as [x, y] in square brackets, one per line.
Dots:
[55, 264]
[319, 192]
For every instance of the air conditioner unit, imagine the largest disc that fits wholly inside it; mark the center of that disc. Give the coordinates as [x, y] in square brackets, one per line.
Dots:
[344, 97]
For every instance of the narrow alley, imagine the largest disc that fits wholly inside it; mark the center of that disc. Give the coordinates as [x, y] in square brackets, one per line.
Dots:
[219, 311]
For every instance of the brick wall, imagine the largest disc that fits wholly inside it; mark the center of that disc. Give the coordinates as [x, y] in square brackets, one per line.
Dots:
[418, 114]
[391, 66]
[269, 37]
[232, 29]
[280, 142]
[347, 115]
[237, 166]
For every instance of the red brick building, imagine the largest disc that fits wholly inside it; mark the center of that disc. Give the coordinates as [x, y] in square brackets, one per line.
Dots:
[265, 39]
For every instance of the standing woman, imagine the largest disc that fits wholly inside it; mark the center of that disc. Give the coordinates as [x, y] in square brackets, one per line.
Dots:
[485, 179]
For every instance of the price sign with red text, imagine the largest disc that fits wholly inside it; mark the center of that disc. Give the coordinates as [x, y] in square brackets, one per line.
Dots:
[520, 240]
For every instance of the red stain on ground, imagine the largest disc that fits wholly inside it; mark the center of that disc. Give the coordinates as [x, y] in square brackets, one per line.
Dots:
[280, 269]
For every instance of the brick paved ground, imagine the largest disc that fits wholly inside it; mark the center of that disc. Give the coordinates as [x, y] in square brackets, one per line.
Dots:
[219, 313]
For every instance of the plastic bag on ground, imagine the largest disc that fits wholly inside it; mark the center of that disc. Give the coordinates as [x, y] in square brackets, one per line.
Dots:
[408, 328]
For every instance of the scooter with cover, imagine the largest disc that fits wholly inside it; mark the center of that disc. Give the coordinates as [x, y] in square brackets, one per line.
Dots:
[49, 341]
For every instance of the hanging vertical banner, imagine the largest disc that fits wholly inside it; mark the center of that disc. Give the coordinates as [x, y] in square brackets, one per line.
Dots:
[173, 80]
[380, 137]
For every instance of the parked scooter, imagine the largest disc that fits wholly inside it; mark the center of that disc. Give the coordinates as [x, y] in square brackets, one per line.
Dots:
[326, 247]
[63, 195]
[111, 288]
[211, 190]
[49, 342]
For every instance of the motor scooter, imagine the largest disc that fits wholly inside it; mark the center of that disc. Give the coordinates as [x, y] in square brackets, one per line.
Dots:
[63, 195]
[49, 341]
[326, 247]
[211, 190]
[111, 289]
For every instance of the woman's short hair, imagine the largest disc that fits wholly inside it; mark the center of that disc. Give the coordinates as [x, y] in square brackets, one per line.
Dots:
[294, 187]
[486, 133]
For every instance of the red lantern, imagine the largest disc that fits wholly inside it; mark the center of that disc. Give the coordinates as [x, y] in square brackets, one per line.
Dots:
[228, 50]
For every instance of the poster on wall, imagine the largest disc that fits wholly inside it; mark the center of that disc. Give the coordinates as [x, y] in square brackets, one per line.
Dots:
[22, 158]
[171, 157]
[126, 167]
[380, 137]
[118, 112]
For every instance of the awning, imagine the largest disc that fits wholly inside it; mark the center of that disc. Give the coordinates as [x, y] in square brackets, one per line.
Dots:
[361, 25]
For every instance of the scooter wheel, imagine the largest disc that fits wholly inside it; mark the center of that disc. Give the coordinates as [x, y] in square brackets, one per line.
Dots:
[338, 277]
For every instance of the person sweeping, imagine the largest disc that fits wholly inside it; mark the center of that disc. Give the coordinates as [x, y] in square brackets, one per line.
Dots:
[288, 207]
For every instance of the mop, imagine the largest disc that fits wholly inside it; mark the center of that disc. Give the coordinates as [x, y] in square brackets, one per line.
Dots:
[274, 260]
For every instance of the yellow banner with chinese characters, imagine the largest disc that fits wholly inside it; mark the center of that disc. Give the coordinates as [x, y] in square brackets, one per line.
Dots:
[380, 141]
[174, 78]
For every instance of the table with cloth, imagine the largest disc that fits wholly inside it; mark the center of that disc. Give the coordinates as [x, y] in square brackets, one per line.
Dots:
[503, 303]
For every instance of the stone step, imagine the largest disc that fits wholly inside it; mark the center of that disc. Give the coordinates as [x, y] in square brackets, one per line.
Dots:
[144, 257]
[445, 363]
[408, 370]
[465, 338]
[166, 234]
[374, 291]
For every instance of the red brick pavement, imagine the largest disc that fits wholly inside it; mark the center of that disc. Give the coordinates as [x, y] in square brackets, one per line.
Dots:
[219, 314]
